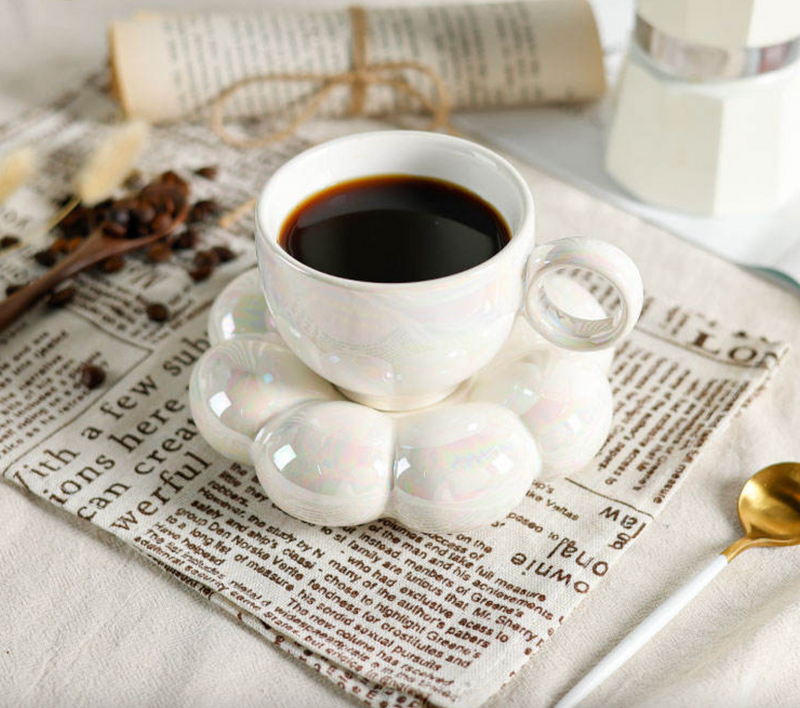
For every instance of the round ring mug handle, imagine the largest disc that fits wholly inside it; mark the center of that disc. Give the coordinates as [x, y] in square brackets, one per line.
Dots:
[598, 257]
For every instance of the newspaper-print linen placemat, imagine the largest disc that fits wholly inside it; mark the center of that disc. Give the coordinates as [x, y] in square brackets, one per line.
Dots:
[394, 617]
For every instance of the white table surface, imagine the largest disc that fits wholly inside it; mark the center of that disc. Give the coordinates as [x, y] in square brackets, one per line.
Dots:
[84, 621]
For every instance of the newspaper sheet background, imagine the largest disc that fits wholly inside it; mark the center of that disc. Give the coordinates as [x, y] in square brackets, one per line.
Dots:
[393, 617]
[489, 55]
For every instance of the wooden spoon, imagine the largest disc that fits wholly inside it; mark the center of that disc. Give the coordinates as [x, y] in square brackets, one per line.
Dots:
[96, 248]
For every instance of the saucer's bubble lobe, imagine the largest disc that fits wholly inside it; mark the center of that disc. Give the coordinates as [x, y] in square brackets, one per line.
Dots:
[327, 462]
[566, 405]
[238, 385]
[240, 310]
[461, 466]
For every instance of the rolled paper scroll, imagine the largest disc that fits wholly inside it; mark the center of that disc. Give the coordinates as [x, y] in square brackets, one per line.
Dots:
[493, 55]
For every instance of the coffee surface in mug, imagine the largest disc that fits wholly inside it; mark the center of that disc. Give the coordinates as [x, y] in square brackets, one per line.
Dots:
[394, 229]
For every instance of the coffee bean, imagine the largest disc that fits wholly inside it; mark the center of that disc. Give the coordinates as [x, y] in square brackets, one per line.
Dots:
[103, 206]
[113, 264]
[62, 297]
[186, 239]
[9, 241]
[114, 230]
[161, 223]
[173, 178]
[206, 258]
[203, 210]
[46, 257]
[161, 203]
[170, 177]
[81, 228]
[209, 172]
[201, 273]
[92, 376]
[144, 213]
[159, 252]
[157, 312]
[211, 206]
[138, 230]
[223, 253]
[126, 204]
[14, 287]
[77, 223]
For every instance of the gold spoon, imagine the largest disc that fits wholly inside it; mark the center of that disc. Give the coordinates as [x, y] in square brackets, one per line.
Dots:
[769, 511]
[97, 247]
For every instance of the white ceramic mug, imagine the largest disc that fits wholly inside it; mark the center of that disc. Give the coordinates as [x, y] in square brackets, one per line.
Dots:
[399, 346]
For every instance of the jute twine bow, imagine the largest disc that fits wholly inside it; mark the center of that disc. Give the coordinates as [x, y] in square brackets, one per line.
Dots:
[359, 79]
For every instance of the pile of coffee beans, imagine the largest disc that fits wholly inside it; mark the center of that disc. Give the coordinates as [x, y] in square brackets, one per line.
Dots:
[145, 212]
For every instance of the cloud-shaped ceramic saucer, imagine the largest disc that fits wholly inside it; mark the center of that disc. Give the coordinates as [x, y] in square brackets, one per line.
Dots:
[466, 462]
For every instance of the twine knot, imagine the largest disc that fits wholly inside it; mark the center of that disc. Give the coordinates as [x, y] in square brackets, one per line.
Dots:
[359, 78]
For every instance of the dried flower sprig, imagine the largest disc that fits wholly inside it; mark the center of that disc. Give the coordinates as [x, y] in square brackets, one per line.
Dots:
[111, 162]
[106, 167]
[15, 170]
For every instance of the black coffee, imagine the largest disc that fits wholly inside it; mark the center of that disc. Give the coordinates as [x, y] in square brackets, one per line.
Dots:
[394, 229]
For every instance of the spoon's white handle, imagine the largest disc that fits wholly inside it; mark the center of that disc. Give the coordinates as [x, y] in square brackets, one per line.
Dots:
[646, 629]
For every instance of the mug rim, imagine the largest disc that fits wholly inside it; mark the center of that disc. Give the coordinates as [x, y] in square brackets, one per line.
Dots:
[514, 244]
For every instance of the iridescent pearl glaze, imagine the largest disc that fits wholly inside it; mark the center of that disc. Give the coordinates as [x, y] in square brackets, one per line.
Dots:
[327, 463]
[239, 310]
[324, 459]
[238, 385]
[565, 404]
[570, 296]
[461, 466]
